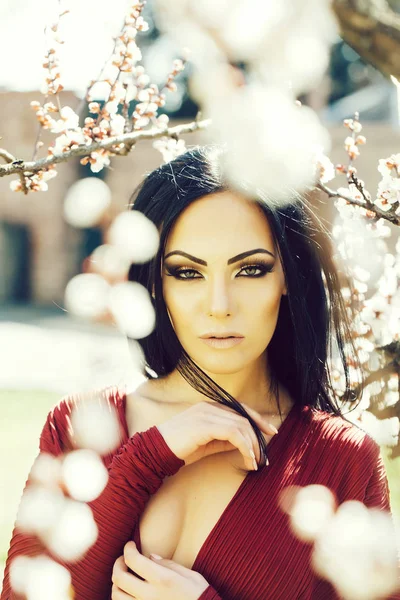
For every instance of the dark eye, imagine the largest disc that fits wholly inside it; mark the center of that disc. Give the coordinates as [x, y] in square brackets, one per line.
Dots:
[263, 269]
[181, 273]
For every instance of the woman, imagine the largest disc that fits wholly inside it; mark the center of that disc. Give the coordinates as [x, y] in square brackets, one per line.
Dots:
[261, 274]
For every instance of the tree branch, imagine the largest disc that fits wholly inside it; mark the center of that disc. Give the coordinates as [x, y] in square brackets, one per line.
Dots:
[126, 139]
[375, 211]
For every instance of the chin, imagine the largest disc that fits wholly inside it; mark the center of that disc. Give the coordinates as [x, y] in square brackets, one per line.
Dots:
[221, 365]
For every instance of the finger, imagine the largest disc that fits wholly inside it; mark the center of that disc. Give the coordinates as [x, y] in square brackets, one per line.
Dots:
[143, 566]
[120, 565]
[241, 424]
[118, 594]
[130, 584]
[124, 580]
[222, 430]
[262, 422]
[174, 566]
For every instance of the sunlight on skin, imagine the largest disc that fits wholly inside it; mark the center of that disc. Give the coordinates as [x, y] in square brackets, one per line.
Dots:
[223, 297]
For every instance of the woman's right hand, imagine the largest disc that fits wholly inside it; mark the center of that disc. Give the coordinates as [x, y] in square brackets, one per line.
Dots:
[209, 427]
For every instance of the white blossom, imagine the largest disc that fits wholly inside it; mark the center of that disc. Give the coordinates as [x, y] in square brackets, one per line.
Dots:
[388, 191]
[389, 167]
[170, 148]
[101, 159]
[324, 167]
[65, 140]
[117, 124]
[69, 120]
[112, 107]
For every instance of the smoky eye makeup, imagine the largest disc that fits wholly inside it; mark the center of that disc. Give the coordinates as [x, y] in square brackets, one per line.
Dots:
[185, 271]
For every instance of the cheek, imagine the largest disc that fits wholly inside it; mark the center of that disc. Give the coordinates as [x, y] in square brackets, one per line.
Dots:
[180, 304]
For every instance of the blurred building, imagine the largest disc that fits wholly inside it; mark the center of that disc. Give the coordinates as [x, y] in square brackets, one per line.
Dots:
[40, 252]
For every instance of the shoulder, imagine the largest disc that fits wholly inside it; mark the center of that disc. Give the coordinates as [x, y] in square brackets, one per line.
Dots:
[346, 458]
[345, 436]
[59, 433]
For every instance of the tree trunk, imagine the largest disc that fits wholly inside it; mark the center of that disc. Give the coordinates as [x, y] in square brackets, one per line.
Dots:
[372, 29]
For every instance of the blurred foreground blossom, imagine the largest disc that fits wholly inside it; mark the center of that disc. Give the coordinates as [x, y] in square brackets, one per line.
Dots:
[46, 470]
[108, 260]
[357, 552]
[65, 526]
[131, 307]
[74, 532]
[278, 39]
[86, 202]
[86, 295]
[313, 507]
[40, 578]
[40, 509]
[283, 150]
[95, 425]
[355, 547]
[135, 236]
[84, 475]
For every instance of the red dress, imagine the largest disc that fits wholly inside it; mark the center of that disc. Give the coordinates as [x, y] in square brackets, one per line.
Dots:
[251, 553]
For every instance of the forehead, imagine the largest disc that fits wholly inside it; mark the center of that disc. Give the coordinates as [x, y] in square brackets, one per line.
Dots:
[221, 223]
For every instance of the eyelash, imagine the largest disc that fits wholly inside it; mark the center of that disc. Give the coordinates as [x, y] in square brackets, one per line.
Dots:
[176, 271]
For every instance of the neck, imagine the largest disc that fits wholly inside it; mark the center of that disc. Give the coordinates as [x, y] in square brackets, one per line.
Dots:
[249, 386]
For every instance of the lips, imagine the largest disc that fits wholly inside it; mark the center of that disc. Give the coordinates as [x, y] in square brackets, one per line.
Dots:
[222, 342]
[221, 337]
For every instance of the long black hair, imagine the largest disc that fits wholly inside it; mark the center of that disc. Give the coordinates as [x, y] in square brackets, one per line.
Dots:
[312, 315]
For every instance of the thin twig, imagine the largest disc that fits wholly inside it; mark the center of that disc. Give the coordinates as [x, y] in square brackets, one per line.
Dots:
[371, 208]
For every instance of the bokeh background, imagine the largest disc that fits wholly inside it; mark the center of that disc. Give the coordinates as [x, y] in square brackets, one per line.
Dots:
[45, 351]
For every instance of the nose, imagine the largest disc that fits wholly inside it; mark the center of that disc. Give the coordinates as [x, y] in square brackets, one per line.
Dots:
[218, 298]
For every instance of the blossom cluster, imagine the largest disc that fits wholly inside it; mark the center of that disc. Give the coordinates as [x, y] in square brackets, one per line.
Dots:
[122, 81]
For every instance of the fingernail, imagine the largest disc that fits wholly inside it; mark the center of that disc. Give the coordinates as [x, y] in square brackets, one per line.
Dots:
[255, 465]
[253, 456]
[274, 428]
[156, 556]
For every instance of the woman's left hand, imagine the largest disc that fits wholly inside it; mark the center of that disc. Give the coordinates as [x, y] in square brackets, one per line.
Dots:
[164, 579]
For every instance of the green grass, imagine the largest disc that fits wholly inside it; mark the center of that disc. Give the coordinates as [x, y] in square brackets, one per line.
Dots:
[22, 416]
[393, 474]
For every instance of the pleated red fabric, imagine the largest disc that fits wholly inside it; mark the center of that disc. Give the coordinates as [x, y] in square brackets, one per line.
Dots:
[251, 553]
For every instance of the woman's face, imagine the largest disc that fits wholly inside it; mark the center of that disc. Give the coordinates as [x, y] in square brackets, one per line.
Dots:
[217, 289]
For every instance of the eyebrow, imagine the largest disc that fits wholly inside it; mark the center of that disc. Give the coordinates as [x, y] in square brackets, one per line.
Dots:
[232, 260]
